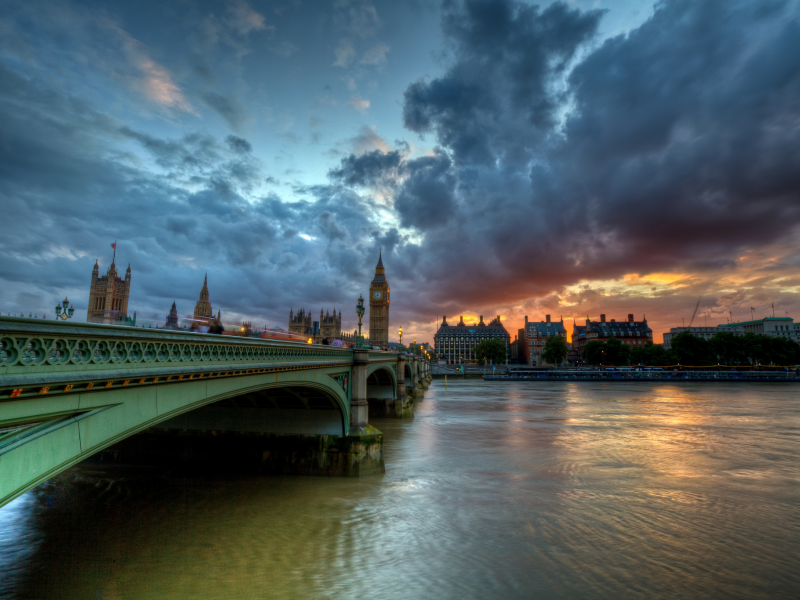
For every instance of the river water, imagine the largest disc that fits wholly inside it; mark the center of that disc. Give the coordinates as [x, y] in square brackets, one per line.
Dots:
[493, 490]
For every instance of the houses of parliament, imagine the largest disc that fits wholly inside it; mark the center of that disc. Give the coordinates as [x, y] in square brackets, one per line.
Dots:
[330, 325]
[108, 302]
[109, 293]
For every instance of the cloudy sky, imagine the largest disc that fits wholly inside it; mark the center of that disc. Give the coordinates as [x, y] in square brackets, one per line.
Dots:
[510, 158]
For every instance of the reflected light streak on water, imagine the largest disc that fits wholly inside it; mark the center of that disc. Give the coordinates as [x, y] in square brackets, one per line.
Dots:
[493, 490]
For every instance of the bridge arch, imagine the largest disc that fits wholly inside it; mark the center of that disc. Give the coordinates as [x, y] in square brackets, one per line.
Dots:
[291, 407]
[382, 381]
[54, 439]
[381, 389]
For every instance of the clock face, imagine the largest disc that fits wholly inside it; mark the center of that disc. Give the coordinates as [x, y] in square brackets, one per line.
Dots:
[377, 295]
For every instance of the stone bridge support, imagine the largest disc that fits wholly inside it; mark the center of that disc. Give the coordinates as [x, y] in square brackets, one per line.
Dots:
[416, 390]
[359, 406]
[403, 405]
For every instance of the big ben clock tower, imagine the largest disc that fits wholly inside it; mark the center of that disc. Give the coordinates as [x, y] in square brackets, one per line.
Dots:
[379, 308]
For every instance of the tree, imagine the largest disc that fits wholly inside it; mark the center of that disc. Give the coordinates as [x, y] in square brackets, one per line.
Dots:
[593, 352]
[692, 350]
[492, 349]
[612, 352]
[555, 350]
[728, 349]
[617, 353]
[654, 355]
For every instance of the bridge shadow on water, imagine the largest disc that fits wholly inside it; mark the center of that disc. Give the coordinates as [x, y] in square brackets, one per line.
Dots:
[266, 431]
[177, 516]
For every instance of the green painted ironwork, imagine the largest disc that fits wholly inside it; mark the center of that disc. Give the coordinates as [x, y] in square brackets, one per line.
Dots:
[344, 381]
[56, 348]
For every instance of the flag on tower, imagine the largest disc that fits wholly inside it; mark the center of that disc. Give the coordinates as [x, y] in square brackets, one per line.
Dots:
[114, 245]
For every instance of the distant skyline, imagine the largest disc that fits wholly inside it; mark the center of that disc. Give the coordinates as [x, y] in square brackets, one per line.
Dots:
[510, 158]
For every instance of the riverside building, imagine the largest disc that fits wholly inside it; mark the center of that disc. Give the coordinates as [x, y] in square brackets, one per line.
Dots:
[456, 343]
[631, 333]
[702, 332]
[535, 337]
[782, 327]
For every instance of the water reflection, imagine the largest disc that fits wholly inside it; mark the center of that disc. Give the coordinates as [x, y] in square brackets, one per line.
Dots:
[527, 489]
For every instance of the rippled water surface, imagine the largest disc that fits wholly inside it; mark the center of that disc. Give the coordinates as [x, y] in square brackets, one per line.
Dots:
[493, 490]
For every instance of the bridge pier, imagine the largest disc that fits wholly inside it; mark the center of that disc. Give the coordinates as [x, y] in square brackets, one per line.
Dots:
[386, 392]
[359, 405]
[417, 389]
[403, 405]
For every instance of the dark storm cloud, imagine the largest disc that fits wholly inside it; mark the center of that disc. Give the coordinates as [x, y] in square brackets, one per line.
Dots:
[367, 169]
[238, 144]
[497, 97]
[427, 197]
[672, 144]
[682, 125]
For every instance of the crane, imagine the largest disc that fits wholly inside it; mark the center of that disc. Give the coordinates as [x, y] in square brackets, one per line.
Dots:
[694, 314]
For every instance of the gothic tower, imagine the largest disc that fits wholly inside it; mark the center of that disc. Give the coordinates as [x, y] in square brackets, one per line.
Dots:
[379, 308]
[172, 318]
[108, 295]
[203, 313]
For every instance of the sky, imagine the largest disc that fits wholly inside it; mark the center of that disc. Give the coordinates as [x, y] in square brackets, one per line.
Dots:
[508, 158]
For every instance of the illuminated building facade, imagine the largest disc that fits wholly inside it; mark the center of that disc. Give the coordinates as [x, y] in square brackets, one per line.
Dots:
[631, 333]
[535, 338]
[456, 343]
[108, 297]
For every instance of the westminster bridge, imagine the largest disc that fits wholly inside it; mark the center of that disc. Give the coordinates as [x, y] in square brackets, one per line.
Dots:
[70, 391]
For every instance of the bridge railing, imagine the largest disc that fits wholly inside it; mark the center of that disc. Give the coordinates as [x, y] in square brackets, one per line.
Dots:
[28, 346]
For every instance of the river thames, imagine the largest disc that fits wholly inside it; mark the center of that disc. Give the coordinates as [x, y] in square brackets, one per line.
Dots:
[493, 490]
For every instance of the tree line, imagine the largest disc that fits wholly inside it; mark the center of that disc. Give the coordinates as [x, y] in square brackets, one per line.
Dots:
[689, 350]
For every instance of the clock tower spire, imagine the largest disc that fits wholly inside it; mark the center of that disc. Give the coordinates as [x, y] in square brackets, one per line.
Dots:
[379, 307]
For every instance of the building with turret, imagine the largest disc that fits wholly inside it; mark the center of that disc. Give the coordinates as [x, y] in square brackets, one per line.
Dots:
[629, 332]
[329, 325]
[108, 296]
[534, 338]
[456, 343]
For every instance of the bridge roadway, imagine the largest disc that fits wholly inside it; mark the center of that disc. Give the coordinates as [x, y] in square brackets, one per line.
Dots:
[68, 391]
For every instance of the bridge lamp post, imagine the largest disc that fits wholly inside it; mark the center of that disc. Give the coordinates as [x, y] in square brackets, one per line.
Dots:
[67, 314]
[360, 313]
[400, 331]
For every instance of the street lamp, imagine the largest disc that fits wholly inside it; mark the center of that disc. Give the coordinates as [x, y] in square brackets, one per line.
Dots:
[400, 331]
[360, 312]
[67, 314]
[415, 346]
